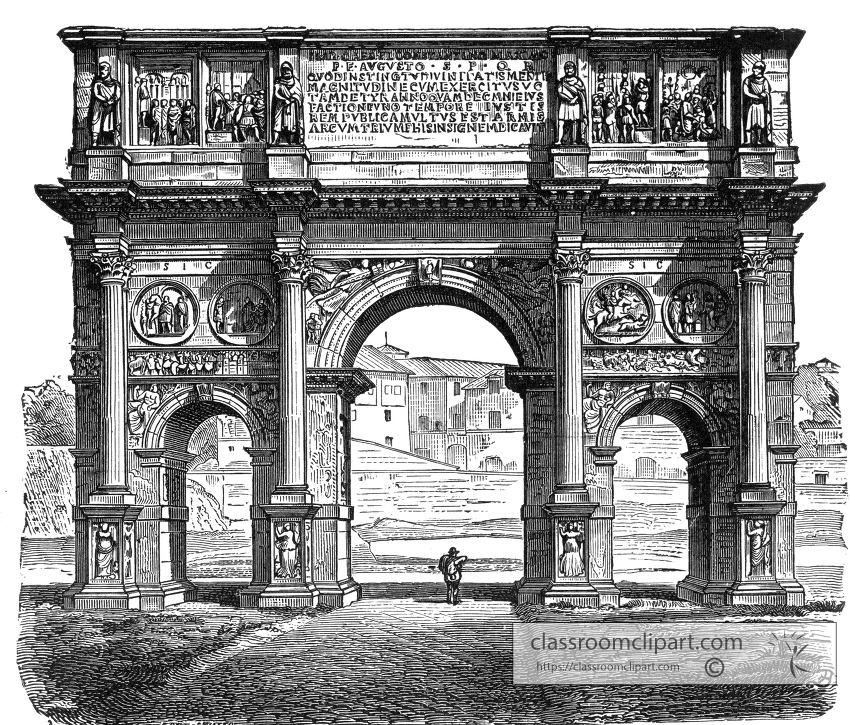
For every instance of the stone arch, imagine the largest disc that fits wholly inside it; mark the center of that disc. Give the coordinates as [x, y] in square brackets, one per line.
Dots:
[184, 409]
[401, 289]
[687, 410]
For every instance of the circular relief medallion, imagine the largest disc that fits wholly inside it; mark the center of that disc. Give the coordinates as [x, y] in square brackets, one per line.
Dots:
[165, 313]
[698, 312]
[241, 313]
[618, 311]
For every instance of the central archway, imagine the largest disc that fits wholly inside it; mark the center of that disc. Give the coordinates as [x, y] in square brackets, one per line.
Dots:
[390, 292]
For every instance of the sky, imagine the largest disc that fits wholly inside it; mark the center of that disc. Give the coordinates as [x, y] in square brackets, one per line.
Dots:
[444, 331]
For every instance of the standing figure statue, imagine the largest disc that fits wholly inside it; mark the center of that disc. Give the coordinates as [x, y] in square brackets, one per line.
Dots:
[105, 552]
[571, 561]
[288, 108]
[286, 546]
[572, 112]
[758, 111]
[104, 113]
[759, 548]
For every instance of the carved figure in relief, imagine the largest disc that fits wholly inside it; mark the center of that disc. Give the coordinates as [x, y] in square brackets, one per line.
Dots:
[594, 407]
[572, 111]
[287, 563]
[216, 108]
[105, 551]
[571, 560]
[328, 295]
[758, 110]
[140, 408]
[104, 113]
[759, 548]
[641, 103]
[314, 326]
[288, 108]
[597, 118]
[128, 550]
[626, 120]
[617, 310]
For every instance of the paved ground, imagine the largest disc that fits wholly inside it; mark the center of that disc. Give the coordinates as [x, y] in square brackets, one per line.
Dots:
[379, 660]
[400, 656]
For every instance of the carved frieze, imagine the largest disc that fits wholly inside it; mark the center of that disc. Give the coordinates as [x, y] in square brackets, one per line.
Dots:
[645, 359]
[187, 362]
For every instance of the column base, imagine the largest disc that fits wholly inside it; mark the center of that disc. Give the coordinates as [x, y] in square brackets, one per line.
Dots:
[530, 591]
[794, 592]
[699, 591]
[609, 594]
[339, 594]
[767, 591]
[579, 594]
[159, 596]
[279, 595]
[102, 596]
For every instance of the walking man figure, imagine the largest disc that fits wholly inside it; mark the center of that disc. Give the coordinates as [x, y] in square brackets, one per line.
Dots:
[451, 566]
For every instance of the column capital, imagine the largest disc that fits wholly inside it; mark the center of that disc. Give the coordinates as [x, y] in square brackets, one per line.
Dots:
[292, 266]
[113, 267]
[754, 264]
[570, 265]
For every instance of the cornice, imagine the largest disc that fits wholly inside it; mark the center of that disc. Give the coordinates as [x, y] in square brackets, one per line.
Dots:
[775, 199]
[347, 382]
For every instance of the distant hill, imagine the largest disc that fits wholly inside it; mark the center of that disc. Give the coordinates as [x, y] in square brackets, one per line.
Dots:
[388, 529]
[820, 391]
[49, 417]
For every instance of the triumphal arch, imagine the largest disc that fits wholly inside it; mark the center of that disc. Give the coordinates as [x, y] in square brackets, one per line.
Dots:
[248, 205]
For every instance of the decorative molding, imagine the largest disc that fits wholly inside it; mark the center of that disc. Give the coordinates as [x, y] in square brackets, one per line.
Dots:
[346, 382]
[86, 363]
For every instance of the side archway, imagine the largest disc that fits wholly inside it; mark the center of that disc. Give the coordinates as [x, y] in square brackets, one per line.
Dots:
[400, 289]
[711, 487]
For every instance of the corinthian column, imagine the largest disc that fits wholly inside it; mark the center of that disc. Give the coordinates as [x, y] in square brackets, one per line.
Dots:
[569, 269]
[754, 461]
[282, 528]
[292, 270]
[569, 505]
[115, 269]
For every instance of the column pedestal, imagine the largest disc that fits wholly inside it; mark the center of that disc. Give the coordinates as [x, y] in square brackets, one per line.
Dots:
[288, 162]
[601, 533]
[290, 554]
[570, 527]
[756, 543]
[110, 569]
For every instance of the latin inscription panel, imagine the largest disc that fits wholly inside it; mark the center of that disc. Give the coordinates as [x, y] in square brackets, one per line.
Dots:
[425, 97]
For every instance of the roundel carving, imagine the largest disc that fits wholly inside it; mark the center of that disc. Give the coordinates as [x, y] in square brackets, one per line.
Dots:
[241, 313]
[618, 311]
[697, 311]
[165, 313]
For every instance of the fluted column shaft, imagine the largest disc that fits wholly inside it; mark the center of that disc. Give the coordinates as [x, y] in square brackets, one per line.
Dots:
[569, 269]
[115, 269]
[292, 269]
[754, 453]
